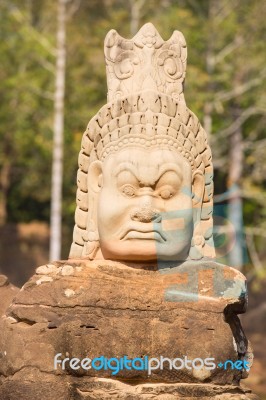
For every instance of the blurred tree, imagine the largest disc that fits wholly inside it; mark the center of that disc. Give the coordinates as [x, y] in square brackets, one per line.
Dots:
[25, 83]
[58, 142]
[135, 15]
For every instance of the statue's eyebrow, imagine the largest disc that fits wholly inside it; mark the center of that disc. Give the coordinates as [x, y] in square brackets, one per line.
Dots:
[126, 166]
[169, 167]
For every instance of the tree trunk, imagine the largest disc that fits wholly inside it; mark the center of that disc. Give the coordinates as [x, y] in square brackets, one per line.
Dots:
[57, 165]
[4, 185]
[208, 106]
[135, 9]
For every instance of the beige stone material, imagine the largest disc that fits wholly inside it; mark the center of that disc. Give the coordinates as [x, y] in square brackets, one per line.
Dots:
[7, 293]
[112, 309]
[31, 384]
[144, 160]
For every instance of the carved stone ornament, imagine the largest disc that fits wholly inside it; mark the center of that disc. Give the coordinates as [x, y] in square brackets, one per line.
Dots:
[145, 178]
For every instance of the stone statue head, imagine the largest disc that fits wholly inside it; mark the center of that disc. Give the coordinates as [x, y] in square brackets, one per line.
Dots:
[145, 172]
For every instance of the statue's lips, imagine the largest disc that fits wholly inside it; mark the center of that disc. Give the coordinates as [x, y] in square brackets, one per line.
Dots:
[144, 235]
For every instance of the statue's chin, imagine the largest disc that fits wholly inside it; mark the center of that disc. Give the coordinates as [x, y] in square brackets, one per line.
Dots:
[136, 249]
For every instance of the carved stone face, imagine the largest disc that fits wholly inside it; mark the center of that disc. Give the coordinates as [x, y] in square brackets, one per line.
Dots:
[145, 165]
[145, 206]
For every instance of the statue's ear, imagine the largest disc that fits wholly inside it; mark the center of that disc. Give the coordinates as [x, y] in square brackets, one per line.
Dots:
[197, 188]
[198, 241]
[95, 176]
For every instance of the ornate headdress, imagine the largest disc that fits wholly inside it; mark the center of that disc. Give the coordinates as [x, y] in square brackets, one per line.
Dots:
[146, 107]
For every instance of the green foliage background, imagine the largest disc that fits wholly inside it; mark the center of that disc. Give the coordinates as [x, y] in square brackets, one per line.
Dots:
[226, 46]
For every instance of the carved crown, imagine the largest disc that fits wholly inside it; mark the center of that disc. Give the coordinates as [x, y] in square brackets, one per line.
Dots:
[145, 62]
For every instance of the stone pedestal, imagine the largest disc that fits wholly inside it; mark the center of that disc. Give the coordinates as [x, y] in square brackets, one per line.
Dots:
[7, 293]
[31, 384]
[91, 309]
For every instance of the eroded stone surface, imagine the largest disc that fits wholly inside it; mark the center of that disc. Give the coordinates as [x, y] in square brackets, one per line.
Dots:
[7, 293]
[31, 384]
[113, 309]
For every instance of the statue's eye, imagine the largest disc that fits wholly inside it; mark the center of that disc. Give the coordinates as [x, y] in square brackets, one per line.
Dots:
[166, 193]
[128, 190]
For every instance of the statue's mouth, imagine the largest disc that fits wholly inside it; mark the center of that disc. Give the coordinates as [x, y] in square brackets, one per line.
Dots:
[144, 235]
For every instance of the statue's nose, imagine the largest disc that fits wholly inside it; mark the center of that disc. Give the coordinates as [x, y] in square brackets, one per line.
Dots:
[146, 214]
